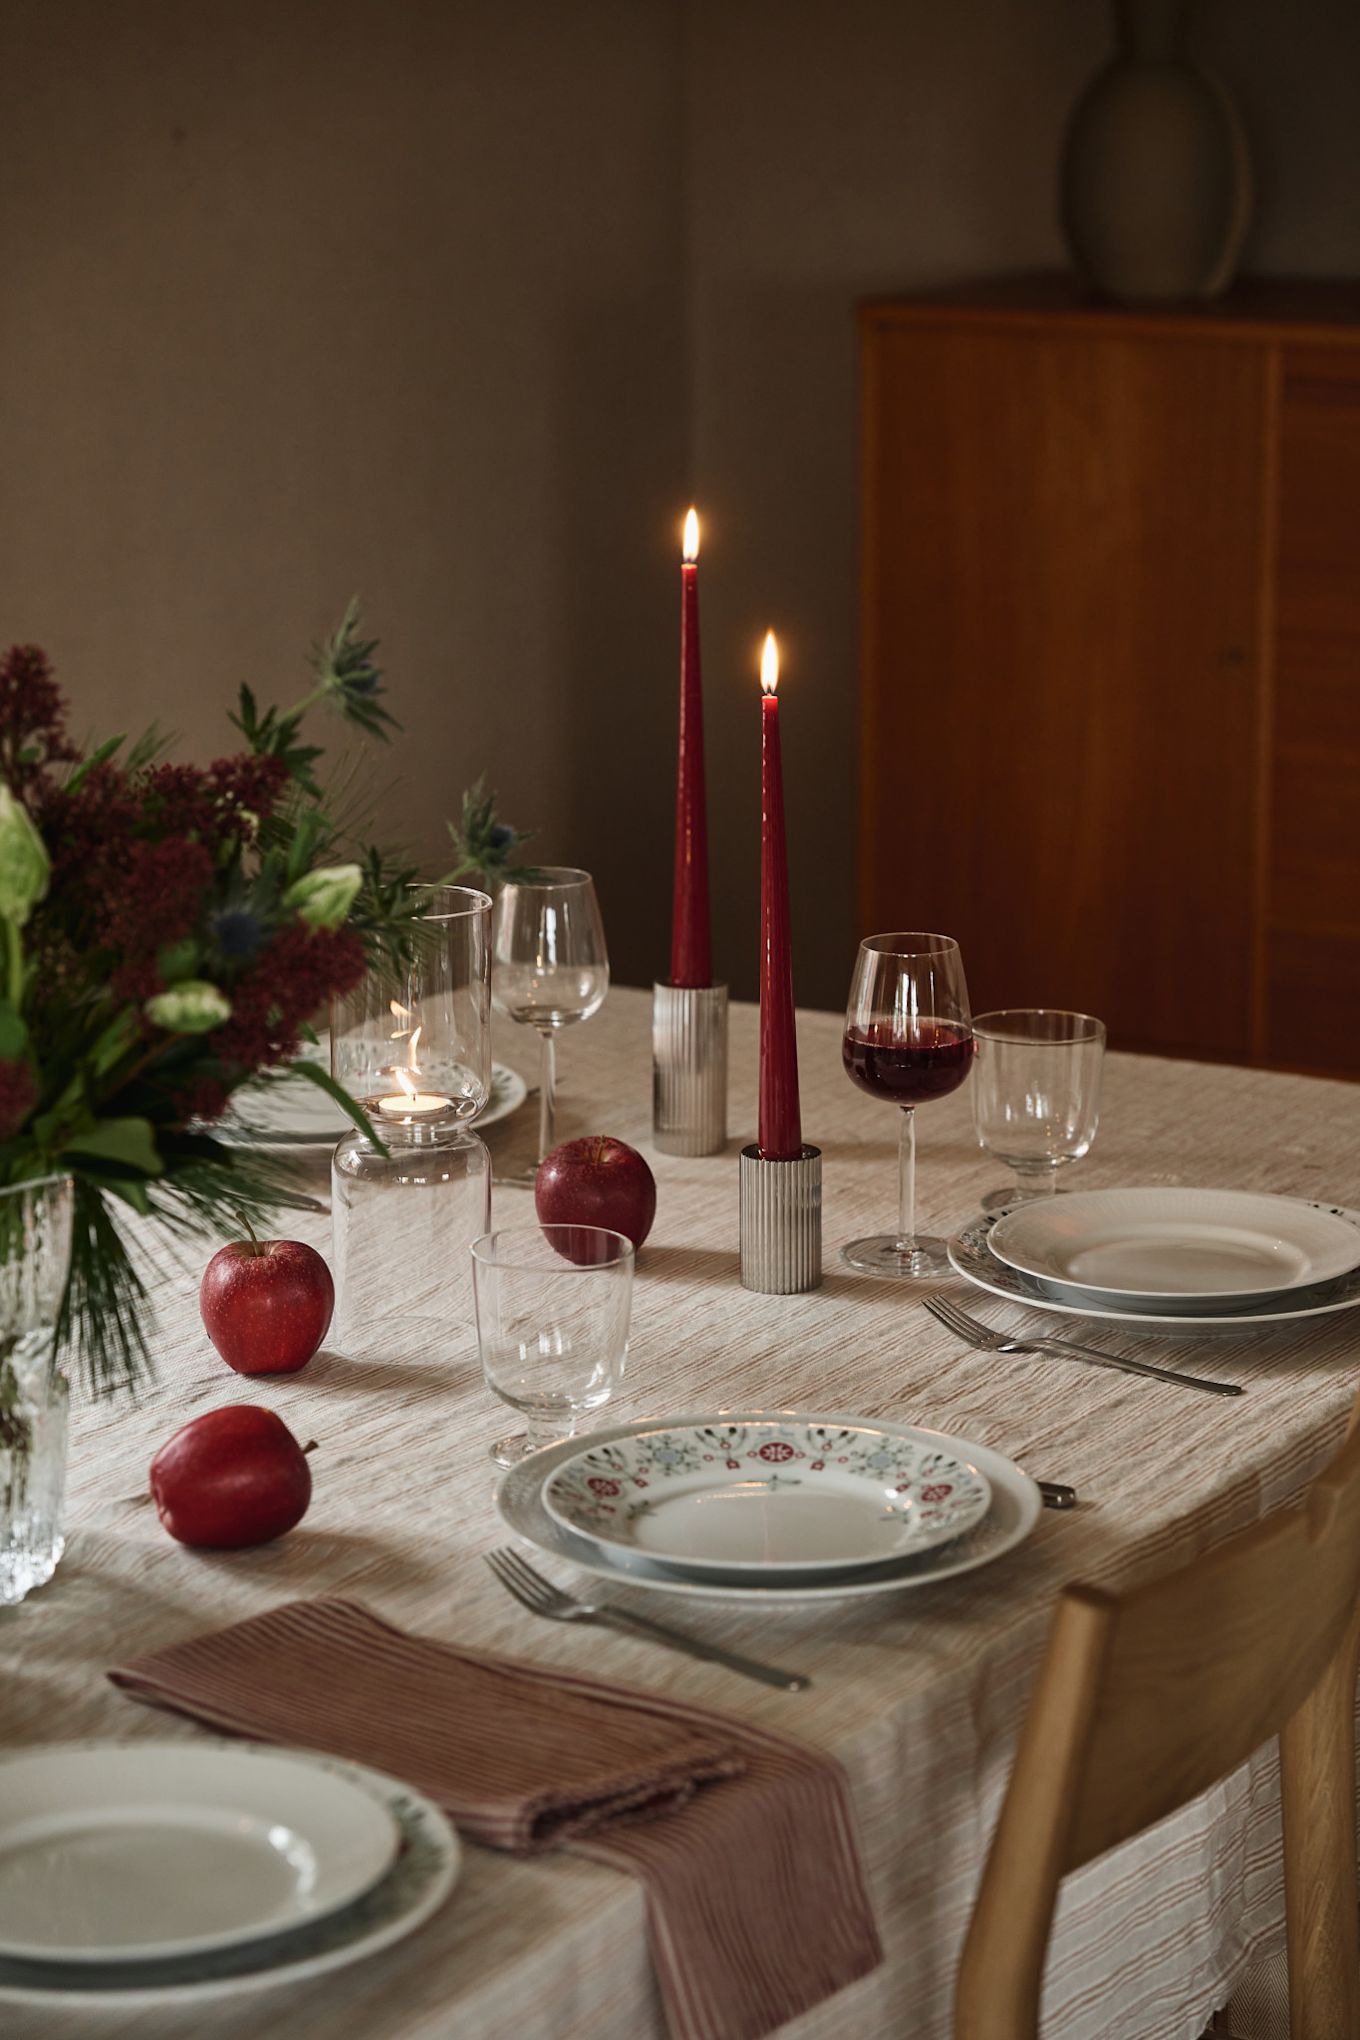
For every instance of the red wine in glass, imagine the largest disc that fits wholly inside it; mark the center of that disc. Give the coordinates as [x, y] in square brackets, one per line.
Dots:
[928, 1061]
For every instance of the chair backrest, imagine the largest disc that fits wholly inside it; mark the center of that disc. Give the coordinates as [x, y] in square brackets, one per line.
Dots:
[1144, 1700]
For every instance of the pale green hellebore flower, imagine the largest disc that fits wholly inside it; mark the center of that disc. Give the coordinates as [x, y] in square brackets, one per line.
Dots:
[24, 864]
[322, 898]
[195, 1007]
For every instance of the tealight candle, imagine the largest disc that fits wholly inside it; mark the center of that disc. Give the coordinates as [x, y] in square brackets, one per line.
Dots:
[420, 1104]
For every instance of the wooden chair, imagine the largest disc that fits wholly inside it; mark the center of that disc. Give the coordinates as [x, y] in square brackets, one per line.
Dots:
[1144, 1700]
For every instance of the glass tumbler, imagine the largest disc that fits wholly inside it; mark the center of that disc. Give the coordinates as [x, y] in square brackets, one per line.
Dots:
[1036, 1094]
[553, 1303]
[35, 1247]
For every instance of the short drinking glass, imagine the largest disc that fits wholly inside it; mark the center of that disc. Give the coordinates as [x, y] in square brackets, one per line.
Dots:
[550, 967]
[552, 1323]
[1036, 1093]
[907, 1040]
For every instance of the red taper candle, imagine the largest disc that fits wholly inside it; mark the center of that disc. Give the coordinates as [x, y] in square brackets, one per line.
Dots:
[781, 1131]
[691, 939]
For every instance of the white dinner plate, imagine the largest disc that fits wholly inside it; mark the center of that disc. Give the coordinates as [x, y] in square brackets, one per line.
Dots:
[138, 1851]
[292, 1112]
[780, 1495]
[971, 1257]
[1014, 1511]
[1174, 1249]
[420, 1879]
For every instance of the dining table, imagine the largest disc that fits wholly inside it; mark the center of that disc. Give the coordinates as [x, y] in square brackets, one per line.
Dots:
[919, 1695]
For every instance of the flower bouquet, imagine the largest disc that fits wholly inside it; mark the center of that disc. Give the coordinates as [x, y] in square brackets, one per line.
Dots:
[167, 932]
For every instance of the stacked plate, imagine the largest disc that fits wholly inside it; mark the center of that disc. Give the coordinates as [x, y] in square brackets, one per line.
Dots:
[279, 1112]
[1167, 1259]
[770, 1507]
[168, 1872]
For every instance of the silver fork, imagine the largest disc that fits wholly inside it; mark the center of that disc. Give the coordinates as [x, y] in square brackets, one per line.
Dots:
[541, 1597]
[974, 1333]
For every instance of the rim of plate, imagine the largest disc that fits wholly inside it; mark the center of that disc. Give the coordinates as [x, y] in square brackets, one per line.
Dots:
[1015, 1510]
[1008, 1242]
[972, 1259]
[426, 1869]
[235, 1132]
[956, 1523]
[231, 1780]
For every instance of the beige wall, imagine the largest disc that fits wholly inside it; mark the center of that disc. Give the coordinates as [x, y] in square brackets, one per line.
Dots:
[309, 296]
[455, 304]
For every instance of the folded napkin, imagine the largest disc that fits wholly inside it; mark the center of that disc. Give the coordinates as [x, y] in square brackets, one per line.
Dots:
[743, 1841]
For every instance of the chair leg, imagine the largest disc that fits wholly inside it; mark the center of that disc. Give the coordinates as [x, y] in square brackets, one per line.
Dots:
[1317, 1785]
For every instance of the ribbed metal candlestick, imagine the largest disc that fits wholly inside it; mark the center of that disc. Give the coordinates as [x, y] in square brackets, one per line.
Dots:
[781, 1222]
[689, 1069]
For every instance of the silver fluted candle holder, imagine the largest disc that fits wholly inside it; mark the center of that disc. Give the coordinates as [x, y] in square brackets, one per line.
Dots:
[689, 1069]
[781, 1222]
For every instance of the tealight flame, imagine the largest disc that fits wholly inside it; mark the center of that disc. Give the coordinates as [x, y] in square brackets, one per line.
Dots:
[691, 545]
[769, 664]
[406, 1082]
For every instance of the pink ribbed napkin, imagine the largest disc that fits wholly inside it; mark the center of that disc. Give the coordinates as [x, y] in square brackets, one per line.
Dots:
[743, 1841]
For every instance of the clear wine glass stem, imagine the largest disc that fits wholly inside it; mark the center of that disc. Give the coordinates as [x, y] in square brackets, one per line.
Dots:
[540, 1430]
[547, 1094]
[906, 1181]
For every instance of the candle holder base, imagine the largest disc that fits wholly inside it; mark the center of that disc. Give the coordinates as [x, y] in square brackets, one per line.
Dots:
[689, 1069]
[781, 1222]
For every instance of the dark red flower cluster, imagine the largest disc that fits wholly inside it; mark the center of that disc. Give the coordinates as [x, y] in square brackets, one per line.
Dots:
[204, 1099]
[289, 981]
[225, 803]
[18, 1096]
[158, 898]
[32, 719]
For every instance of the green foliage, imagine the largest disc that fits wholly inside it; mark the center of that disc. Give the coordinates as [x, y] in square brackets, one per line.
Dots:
[486, 847]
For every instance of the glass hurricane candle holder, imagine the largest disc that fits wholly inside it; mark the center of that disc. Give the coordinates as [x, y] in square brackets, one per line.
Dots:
[415, 1045]
[401, 1226]
[415, 1049]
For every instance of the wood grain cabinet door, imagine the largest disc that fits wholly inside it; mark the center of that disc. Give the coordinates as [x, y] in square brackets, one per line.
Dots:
[1312, 946]
[1061, 620]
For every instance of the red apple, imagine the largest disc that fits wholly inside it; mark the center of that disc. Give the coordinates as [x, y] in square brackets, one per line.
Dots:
[596, 1180]
[267, 1304]
[230, 1478]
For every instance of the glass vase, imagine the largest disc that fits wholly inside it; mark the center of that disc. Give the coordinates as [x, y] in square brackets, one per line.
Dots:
[416, 1044]
[35, 1248]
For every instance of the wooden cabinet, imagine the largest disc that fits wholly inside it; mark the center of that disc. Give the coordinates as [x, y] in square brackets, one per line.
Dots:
[1111, 660]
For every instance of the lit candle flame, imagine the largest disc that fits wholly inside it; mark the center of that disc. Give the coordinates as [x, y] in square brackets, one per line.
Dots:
[691, 545]
[769, 664]
[406, 1083]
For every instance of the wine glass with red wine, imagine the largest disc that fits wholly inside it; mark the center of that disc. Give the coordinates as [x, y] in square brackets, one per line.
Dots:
[908, 1040]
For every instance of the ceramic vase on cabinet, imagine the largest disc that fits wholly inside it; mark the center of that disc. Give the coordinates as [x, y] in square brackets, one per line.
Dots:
[1156, 181]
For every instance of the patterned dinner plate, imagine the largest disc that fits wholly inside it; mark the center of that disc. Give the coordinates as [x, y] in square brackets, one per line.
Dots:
[421, 1878]
[781, 1494]
[1014, 1511]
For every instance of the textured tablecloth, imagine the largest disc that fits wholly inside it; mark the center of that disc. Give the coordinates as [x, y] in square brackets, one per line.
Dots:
[920, 1695]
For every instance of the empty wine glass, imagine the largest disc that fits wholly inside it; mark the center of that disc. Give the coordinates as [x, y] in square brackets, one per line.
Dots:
[907, 1040]
[550, 967]
[553, 1303]
[1036, 1094]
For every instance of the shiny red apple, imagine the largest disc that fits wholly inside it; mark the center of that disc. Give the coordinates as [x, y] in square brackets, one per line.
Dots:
[596, 1180]
[230, 1478]
[267, 1304]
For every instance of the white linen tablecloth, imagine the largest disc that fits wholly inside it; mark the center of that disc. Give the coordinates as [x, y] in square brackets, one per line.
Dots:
[919, 1695]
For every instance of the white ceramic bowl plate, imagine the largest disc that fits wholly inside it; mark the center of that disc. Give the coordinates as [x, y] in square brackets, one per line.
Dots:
[137, 1851]
[1215, 1249]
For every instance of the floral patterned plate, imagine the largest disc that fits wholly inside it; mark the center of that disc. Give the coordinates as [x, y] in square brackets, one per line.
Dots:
[774, 1494]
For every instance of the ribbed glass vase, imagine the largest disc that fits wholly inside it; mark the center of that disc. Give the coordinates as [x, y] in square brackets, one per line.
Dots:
[35, 1247]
